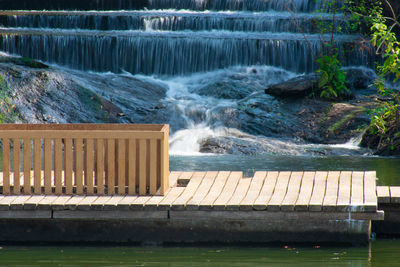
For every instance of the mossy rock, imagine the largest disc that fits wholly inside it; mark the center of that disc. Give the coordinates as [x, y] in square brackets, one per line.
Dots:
[23, 61]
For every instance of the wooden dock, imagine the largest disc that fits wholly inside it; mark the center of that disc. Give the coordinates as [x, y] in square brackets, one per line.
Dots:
[207, 207]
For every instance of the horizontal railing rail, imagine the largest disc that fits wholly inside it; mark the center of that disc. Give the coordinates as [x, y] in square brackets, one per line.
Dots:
[90, 159]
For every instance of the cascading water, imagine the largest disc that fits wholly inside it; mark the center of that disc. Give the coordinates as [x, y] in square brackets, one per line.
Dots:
[213, 57]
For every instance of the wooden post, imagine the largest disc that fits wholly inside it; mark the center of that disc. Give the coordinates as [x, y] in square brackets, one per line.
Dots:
[164, 161]
[78, 166]
[47, 166]
[37, 165]
[89, 166]
[6, 166]
[68, 159]
[17, 157]
[27, 166]
[121, 166]
[111, 166]
[100, 166]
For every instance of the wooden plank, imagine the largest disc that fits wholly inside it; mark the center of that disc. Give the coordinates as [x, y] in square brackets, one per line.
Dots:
[293, 191]
[153, 166]
[46, 202]
[318, 194]
[164, 158]
[27, 166]
[202, 191]
[37, 165]
[19, 202]
[59, 202]
[394, 194]
[152, 203]
[331, 195]
[227, 192]
[190, 190]
[6, 201]
[78, 142]
[58, 166]
[279, 193]
[89, 167]
[6, 166]
[139, 202]
[68, 159]
[121, 166]
[48, 162]
[343, 201]
[239, 194]
[383, 194]
[73, 202]
[266, 191]
[100, 166]
[254, 191]
[306, 188]
[215, 191]
[126, 202]
[132, 166]
[98, 204]
[173, 178]
[17, 157]
[32, 202]
[184, 178]
[111, 166]
[86, 203]
[370, 198]
[172, 195]
[74, 134]
[113, 202]
[357, 191]
[142, 166]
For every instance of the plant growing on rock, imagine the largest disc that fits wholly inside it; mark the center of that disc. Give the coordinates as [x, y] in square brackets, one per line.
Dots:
[384, 130]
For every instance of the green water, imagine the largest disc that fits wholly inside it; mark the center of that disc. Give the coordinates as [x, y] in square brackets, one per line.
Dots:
[388, 169]
[378, 253]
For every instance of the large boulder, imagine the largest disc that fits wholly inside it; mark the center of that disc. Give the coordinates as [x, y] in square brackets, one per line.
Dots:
[298, 86]
[359, 77]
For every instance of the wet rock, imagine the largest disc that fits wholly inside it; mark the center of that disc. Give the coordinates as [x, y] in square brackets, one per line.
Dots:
[359, 78]
[384, 145]
[299, 86]
[225, 90]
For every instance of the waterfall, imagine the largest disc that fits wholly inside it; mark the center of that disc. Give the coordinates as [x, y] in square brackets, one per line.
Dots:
[212, 57]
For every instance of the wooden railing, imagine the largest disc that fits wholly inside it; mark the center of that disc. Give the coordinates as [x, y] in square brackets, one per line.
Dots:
[91, 159]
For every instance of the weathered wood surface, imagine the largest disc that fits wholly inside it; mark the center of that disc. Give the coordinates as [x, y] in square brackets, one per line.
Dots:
[84, 159]
[229, 191]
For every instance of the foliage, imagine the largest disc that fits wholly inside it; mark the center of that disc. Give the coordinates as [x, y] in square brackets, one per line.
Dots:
[332, 78]
[385, 119]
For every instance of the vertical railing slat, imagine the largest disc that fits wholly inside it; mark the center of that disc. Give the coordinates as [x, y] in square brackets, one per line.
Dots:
[142, 166]
[111, 166]
[17, 157]
[121, 166]
[58, 165]
[27, 166]
[6, 166]
[164, 164]
[132, 166]
[153, 166]
[37, 165]
[47, 166]
[100, 166]
[78, 166]
[89, 166]
[68, 159]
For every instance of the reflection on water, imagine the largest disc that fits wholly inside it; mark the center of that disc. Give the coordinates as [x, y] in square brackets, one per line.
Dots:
[378, 253]
[388, 169]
